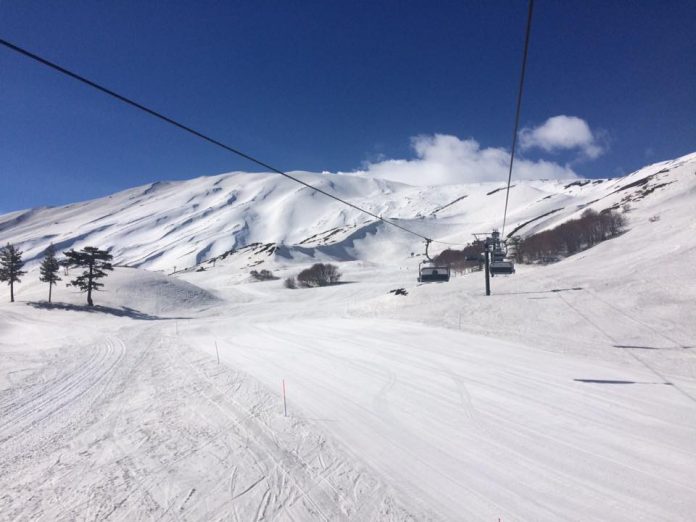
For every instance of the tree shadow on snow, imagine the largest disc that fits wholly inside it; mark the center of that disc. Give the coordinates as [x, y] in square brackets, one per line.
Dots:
[337, 283]
[108, 310]
[552, 291]
[610, 381]
[666, 348]
[634, 347]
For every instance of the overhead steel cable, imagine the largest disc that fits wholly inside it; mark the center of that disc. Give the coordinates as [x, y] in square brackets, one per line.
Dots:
[200, 135]
[517, 110]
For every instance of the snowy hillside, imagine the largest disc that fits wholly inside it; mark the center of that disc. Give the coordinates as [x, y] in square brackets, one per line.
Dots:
[180, 224]
[568, 394]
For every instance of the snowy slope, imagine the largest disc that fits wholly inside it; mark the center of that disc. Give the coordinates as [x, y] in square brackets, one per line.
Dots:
[569, 394]
[180, 224]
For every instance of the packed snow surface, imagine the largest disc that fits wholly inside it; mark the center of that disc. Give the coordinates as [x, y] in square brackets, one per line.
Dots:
[568, 394]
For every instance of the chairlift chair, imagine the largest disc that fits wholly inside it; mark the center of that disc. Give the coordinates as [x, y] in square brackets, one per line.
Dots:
[499, 264]
[501, 268]
[430, 273]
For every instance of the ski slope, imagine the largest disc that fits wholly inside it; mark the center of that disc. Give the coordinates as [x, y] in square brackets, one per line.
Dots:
[110, 414]
[476, 427]
[568, 394]
[389, 418]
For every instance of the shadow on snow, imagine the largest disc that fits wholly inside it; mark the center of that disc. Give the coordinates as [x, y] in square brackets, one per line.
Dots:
[552, 291]
[610, 381]
[108, 310]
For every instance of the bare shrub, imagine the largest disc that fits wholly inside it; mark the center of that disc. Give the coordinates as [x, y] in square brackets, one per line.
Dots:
[571, 237]
[290, 283]
[262, 275]
[319, 274]
[468, 258]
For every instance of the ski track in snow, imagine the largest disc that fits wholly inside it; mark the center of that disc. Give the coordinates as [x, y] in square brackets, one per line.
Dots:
[500, 433]
[390, 418]
[141, 427]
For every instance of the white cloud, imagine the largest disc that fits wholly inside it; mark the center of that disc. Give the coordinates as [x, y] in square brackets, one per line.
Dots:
[563, 133]
[443, 159]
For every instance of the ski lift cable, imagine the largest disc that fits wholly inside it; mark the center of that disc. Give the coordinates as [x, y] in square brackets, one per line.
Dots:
[517, 109]
[202, 136]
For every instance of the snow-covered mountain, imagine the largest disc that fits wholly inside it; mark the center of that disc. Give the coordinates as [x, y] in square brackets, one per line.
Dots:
[183, 223]
[568, 394]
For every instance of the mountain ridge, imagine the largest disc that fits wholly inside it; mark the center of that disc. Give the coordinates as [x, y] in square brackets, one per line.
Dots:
[167, 224]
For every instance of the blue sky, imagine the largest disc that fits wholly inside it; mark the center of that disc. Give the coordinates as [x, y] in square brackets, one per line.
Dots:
[419, 91]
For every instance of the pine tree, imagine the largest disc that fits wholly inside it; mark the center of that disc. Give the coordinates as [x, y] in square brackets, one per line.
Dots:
[49, 269]
[95, 262]
[11, 267]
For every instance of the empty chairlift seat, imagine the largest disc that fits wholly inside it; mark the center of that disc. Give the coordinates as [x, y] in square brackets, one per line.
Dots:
[501, 268]
[429, 273]
[499, 264]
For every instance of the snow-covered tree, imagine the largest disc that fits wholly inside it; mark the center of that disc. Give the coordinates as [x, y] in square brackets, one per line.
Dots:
[11, 267]
[49, 269]
[95, 262]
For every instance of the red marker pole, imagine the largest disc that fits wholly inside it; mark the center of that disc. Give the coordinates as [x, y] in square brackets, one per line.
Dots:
[285, 404]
